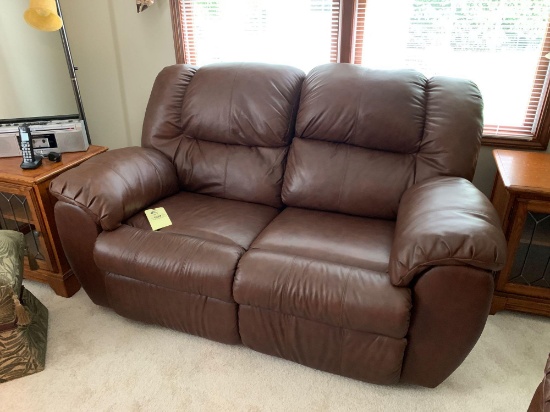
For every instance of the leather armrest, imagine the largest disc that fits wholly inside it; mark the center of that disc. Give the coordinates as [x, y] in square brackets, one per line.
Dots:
[117, 184]
[445, 221]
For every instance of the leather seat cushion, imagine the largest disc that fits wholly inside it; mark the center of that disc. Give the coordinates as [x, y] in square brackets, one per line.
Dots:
[229, 222]
[333, 237]
[169, 260]
[327, 268]
[197, 254]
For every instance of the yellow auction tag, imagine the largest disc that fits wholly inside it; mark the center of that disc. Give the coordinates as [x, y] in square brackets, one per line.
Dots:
[158, 218]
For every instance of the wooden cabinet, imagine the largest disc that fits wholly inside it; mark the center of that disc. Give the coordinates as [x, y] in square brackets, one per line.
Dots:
[521, 195]
[26, 205]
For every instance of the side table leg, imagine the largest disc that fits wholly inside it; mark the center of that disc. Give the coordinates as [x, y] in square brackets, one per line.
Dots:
[498, 304]
[65, 286]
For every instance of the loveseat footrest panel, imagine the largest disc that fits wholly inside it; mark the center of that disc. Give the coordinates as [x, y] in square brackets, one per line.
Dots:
[359, 355]
[334, 294]
[195, 314]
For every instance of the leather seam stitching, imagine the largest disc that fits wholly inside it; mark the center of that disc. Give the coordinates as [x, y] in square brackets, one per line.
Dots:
[293, 115]
[229, 119]
[242, 145]
[157, 173]
[344, 292]
[116, 275]
[225, 174]
[426, 105]
[317, 260]
[230, 110]
[190, 236]
[370, 149]
[323, 323]
[429, 212]
[81, 206]
[358, 107]
[343, 179]
[435, 262]
[178, 147]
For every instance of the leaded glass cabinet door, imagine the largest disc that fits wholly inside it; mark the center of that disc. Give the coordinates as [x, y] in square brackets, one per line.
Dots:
[528, 268]
[18, 206]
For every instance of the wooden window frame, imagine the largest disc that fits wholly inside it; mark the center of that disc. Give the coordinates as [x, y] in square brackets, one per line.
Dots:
[177, 32]
[348, 53]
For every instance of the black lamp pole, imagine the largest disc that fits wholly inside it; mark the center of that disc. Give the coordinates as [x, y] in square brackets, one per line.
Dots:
[72, 72]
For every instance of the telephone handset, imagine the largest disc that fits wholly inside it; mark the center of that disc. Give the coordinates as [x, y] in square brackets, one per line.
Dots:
[29, 160]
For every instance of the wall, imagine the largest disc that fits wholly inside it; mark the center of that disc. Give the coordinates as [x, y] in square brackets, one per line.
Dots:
[485, 171]
[118, 53]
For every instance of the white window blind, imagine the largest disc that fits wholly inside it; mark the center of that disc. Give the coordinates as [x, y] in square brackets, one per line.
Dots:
[498, 44]
[301, 33]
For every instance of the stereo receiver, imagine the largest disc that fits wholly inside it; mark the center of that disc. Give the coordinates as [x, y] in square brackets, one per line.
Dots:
[59, 136]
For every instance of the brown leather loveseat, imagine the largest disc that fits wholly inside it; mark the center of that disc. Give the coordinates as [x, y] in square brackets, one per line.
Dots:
[328, 219]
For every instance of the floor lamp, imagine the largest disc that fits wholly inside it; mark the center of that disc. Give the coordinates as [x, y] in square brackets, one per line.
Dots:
[72, 73]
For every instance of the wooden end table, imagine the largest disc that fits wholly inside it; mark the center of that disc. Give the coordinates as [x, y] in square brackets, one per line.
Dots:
[26, 205]
[521, 196]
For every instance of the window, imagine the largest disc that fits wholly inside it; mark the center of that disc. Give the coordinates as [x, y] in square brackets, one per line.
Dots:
[301, 33]
[499, 44]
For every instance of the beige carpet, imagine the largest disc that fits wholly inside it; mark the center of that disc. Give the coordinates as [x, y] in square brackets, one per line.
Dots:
[99, 361]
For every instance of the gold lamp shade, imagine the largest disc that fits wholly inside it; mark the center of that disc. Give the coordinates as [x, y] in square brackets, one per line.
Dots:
[42, 15]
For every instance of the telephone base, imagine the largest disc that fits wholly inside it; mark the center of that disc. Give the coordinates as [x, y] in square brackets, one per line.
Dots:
[31, 165]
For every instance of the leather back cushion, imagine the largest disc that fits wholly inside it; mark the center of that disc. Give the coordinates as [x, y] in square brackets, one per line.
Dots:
[365, 136]
[226, 127]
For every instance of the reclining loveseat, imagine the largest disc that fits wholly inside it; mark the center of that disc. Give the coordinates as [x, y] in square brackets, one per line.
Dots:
[329, 219]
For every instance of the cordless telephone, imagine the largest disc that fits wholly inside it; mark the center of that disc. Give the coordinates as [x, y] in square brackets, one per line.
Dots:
[29, 160]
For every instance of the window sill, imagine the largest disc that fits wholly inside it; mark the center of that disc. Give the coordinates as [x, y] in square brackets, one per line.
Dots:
[511, 143]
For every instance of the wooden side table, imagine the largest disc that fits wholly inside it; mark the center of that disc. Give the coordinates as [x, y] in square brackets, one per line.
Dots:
[521, 196]
[26, 205]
